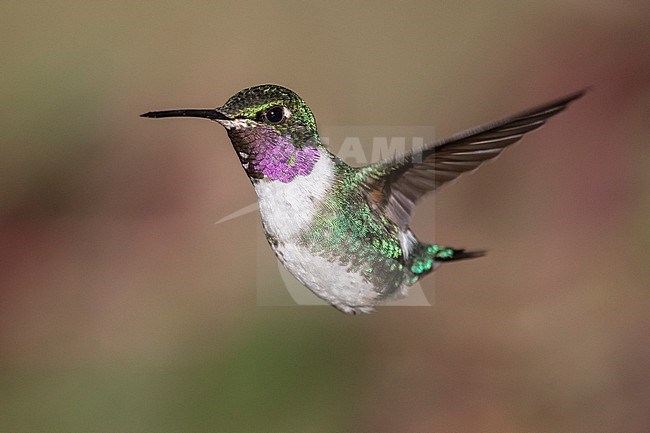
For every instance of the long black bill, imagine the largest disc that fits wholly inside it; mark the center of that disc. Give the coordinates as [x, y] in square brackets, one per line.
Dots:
[206, 114]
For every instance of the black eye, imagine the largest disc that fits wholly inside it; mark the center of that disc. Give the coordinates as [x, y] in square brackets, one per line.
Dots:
[274, 114]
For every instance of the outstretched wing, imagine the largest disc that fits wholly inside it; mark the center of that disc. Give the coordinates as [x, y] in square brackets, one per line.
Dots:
[397, 185]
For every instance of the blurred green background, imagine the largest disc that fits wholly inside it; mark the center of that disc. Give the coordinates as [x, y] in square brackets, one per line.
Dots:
[123, 308]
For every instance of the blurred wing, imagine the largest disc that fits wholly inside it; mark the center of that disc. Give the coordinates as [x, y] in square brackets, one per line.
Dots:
[397, 185]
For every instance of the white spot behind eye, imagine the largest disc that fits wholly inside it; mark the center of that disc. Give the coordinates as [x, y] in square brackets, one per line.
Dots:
[287, 112]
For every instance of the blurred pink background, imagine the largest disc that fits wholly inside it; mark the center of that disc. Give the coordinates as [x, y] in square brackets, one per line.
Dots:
[124, 308]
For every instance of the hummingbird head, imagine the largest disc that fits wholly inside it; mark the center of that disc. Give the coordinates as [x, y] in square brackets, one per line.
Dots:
[271, 128]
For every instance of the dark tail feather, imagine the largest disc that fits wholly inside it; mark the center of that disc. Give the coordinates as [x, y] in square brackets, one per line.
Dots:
[424, 257]
[460, 254]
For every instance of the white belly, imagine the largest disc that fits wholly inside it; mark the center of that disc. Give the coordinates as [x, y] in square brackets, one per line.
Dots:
[347, 291]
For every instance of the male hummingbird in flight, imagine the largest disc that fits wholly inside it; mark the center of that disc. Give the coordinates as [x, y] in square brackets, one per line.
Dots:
[344, 231]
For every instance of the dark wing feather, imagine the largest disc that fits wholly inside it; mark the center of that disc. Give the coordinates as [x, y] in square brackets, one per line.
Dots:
[397, 185]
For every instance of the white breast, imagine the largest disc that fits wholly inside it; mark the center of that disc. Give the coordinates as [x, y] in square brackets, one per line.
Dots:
[289, 208]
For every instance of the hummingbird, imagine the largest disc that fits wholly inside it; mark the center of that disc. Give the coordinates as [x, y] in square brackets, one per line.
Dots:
[343, 231]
